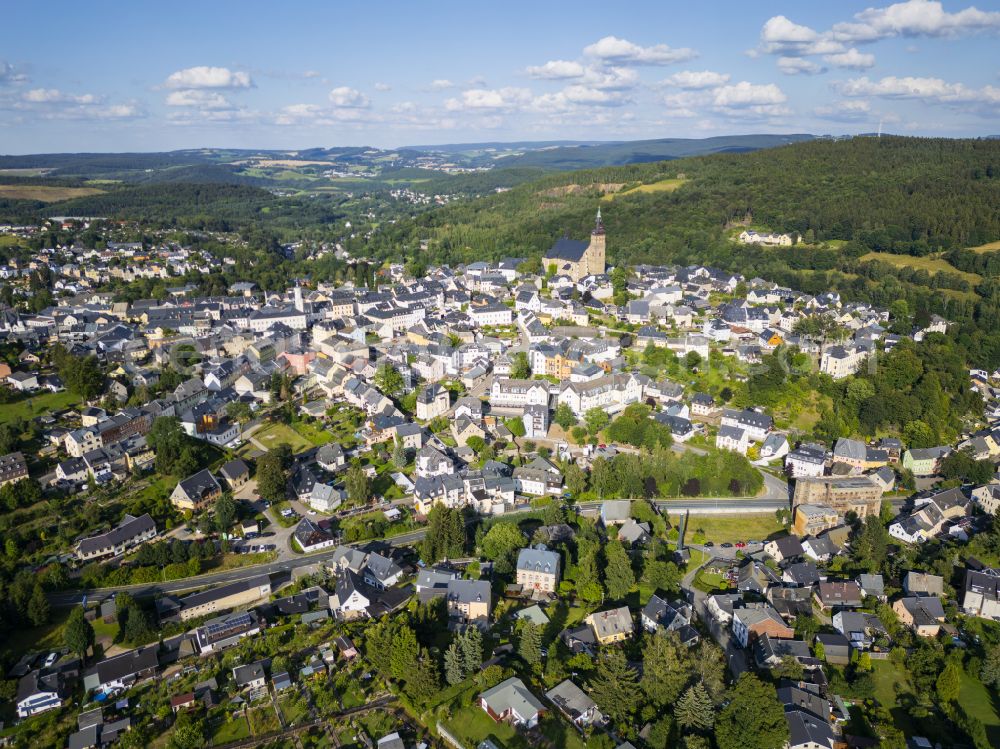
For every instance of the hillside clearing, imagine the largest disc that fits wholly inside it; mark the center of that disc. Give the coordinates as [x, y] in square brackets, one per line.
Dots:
[988, 247]
[928, 263]
[664, 185]
[46, 193]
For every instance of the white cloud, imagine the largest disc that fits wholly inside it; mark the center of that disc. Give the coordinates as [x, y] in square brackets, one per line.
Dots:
[782, 36]
[934, 90]
[10, 74]
[441, 84]
[203, 76]
[382, 86]
[746, 94]
[205, 100]
[348, 98]
[846, 111]
[484, 98]
[312, 74]
[55, 96]
[557, 70]
[611, 79]
[742, 100]
[593, 96]
[797, 65]
[780, 30]
[915, 18]
[622, 50]
[119, 112]
[851, 59]
[316, 115]
[697, 79]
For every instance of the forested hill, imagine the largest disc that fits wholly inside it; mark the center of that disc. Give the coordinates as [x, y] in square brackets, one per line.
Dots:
[587, 156]
[922, 200]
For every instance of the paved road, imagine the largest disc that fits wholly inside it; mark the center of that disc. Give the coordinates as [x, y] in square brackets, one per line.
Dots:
[717, 505]
[145, 590]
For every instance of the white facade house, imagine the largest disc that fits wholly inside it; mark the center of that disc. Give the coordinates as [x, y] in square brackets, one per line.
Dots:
[611, 394]
[508, 393]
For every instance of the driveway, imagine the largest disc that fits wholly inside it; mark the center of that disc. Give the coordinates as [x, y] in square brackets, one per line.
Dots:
[735, 656]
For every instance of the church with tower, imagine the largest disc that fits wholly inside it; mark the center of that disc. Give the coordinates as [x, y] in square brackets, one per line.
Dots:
[578, 259]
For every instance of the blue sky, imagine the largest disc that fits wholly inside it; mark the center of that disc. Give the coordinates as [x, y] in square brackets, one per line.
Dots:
[116, 76]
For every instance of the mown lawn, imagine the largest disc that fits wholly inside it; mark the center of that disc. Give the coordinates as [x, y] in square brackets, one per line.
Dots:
[731, 528]
[37, 405]
[235, 729]
[891, 682]
[281, 434]
[471, 726]
[978, 702]
[315, 434]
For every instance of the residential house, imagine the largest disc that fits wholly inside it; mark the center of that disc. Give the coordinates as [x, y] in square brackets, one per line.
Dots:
[754, 620]
[575, 704]
[196, 492]
[613, 625]
[122, 671]
[924, 461]
[469, 601]
[839, 594]
[236, 473]
[432, 401]
[127, 535]
[836, 648]
[923, 614]
[783, 547]
[923, 584]
[13, 468]
[538, 570]
[859, 627]
[510, 701]
[981, 593]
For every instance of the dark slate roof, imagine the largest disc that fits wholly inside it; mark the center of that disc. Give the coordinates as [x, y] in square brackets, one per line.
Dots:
[568, 249]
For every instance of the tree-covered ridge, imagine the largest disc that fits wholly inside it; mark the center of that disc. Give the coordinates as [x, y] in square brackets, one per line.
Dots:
[911, 195]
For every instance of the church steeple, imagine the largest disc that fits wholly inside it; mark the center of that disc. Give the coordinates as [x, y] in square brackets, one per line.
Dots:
[598, 224]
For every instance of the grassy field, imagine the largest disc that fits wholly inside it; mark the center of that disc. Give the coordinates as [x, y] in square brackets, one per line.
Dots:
[978, 702]
[314, 433]
[930, 264]
[664, 185]
[47, 637]
[277, 434]
[471, 726]
[988, 247]
[46, 193]
[722, 528]
[891, 682]
[37, 405]
[263, 719]
[235, 729]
